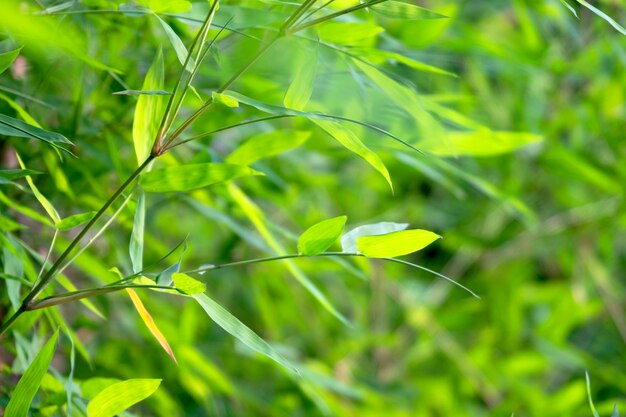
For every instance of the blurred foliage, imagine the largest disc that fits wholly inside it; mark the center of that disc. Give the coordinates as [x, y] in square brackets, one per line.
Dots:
[519, 106]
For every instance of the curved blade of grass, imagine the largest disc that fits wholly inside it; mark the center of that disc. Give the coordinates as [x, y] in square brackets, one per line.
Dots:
[120, 396]
[150, 324]
[236, 328]
[29, 383]
[604, 16]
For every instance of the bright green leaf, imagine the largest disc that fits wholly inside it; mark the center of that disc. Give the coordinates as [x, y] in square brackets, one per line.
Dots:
[189, 177]
[348, 240]
[239, 330]
[266, 145]
[120, 396]
[7, 58]
[178, 45]
[350, 141]
[301, 88]
[187, 284]
[396, 243]
[149, 110]
[319, 237]
[29, 383]
[402, 10]
[482, 142]
[136, 238]
[75, 220]
[224, 99]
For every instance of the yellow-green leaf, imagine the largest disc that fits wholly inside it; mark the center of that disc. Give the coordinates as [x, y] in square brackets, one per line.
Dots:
[75, 220]
[150, 324]
[267, 144]
[396, 243]
[192, 176]
[351, 141]
[120, 396]
[301, 88]
[29, 383]
[319, 237]
[149, 110]
[405, 10]
[188, 285]
[481, 142]
[224, 99]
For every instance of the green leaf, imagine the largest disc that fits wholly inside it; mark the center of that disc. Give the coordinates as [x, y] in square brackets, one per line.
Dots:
[29, 383]
[482, 142]
[239, 330]
[149, 110]
[178, 45]
[348, 240]
[120, 396]
[142, 92]
[224, 99]
[45, 203]
[593, 408]
[187, 284]
[350, 33]
[604, 16]
[301, 88]
[409, 62]
[17, 128]
[7, 58]
[136, 238]
[396, 243]
[166, 6]
[570, 8]
[14, 174]
[350, 141]
[319, 237]
[266, 145]
[615, 412]
[190, 177]
[402, 10]
[75, 220]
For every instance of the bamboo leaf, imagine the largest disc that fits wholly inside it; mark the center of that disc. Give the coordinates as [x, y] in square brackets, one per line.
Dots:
[188, 285]
[142, 92]
[266, 145]
[29, 383]
[7, 58]
[481, 142]
[224, 99]
[348, 240]
[166, 6]
[136, 238]
[301, 88]
[236, 328]
[192, 176]
[570, 8]
[395, 243]
[45, 203]
[350, 141]
[150, 324]
[14, 174]
[402, 10]
[17, 128]
[149, 110]
[120, 396]
[604, 16]
[75, 220]
[319, 237]
[178, 45]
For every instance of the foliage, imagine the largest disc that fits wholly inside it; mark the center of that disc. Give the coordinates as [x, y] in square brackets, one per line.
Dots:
[202, 206]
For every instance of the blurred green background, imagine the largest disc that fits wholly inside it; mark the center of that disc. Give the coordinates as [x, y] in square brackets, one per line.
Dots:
[536, 228]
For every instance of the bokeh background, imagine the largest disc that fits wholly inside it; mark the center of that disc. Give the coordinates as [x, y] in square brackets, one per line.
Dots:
[537, 229]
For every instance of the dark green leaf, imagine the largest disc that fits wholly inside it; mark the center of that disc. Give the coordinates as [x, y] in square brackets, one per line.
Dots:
[14, 174]
[17, 128]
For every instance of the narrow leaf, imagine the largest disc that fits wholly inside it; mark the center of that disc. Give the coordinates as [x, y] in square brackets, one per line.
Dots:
[481, 142]
[319, 237]
[348, 240]
[239, 330]
[17, 128]
[150, 324]
[29, 383]
[350, 141]
[45, 203]
[143, 92]
[593, 408]
[266, 145]
[224, 99]
[301, 88]
[188, 285]
[75, 220]
[402, 10]
[189, 177]
[569, 7]
[178, 45]
[396, 243]
[14, 174]
[604, 16]
[136, 238]
[149, 110]
[120, 396]
[7, 58]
